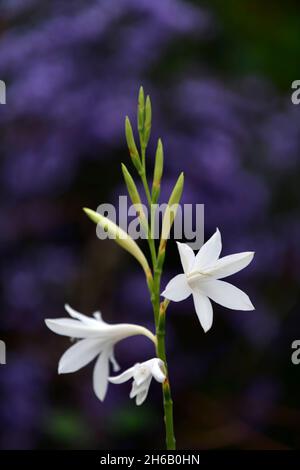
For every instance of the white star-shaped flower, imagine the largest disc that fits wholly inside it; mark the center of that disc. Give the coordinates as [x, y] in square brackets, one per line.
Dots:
[201, 279]
[96, 338]
[142, 374]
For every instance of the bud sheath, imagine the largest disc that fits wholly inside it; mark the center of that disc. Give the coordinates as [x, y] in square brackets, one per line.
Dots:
[133, 151]
[158, 171]
[171, 209]
[121, 237]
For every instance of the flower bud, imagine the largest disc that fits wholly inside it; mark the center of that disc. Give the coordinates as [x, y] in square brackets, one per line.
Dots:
[141, 111]
[135, 197]
[158, 171]
[171, 209]
[121, 237]
[133, 151]
[148, 120]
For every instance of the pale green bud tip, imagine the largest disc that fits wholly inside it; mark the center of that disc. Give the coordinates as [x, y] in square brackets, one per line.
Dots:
[141, 98]
[148, 119]
[130, 140]
[171, 210]
[128, 129]
[148, 115]
[177, 191]
[92, 214]
[132, 189]
[159, 162]
[141, 110]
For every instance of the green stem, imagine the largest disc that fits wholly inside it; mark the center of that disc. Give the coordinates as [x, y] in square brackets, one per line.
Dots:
[159, 311]
[160, 316]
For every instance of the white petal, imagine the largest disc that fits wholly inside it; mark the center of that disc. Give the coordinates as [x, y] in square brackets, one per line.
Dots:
[227, 295]
[79, 355]
[126, 375]
[136, 389]
[203, 309]
[97, 329]
[209, 252]
[79, 316]
[141, 372]
[141, 397]
[100, 374]
[177, 289]
[116, 366]
[157, 370]
[98, 316]
[187, 256]
[230, 264]
[71, 328]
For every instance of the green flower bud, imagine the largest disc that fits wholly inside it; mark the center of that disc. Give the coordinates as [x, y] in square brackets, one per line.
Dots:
[133, 151]
[121, 237]
[141, 111]
[171, 209]
[135, 197]
[158, 171]
[148, 120]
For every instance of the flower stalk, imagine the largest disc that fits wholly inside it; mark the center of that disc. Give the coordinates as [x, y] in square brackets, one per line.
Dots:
[201, 278]
[144, 113]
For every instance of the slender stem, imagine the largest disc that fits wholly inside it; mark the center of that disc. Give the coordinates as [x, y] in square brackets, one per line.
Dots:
[161, 353]
[159, 311]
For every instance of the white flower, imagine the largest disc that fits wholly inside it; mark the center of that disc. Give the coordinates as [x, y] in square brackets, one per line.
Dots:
[201, 278]
[97, 338]
[142, 374]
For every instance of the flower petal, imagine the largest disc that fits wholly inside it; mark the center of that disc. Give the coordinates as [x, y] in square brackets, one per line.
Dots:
[230, 264]
[136, 389]
[177, 289]
[126, 375]
[142, 395]
[71, 328]
[79, 316]
[157, 371]
[141, 372]
[227, 295]
[203, 309]
[209, 252]
[100, 374]
[114, 362]
[79, 355]
[187, 256]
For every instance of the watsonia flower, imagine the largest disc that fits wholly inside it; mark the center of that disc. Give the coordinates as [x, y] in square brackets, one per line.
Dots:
[96, 338]
[201, 279]
[142, 374]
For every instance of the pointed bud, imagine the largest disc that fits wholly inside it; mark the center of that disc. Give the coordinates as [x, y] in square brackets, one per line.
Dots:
[133, 151]
[141, 111]
[158, 171]
[148, 120]
[135, 197]
[172, 207]
[121, 237]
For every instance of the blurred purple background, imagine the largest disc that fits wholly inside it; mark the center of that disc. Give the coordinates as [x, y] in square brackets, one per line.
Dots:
[220, 82]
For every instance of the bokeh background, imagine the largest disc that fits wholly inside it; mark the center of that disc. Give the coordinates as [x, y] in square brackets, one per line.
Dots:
[219, 75]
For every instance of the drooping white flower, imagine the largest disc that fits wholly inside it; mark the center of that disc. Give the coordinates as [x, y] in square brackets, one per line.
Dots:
[142, 374]
[201, 279]
[96, 338]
